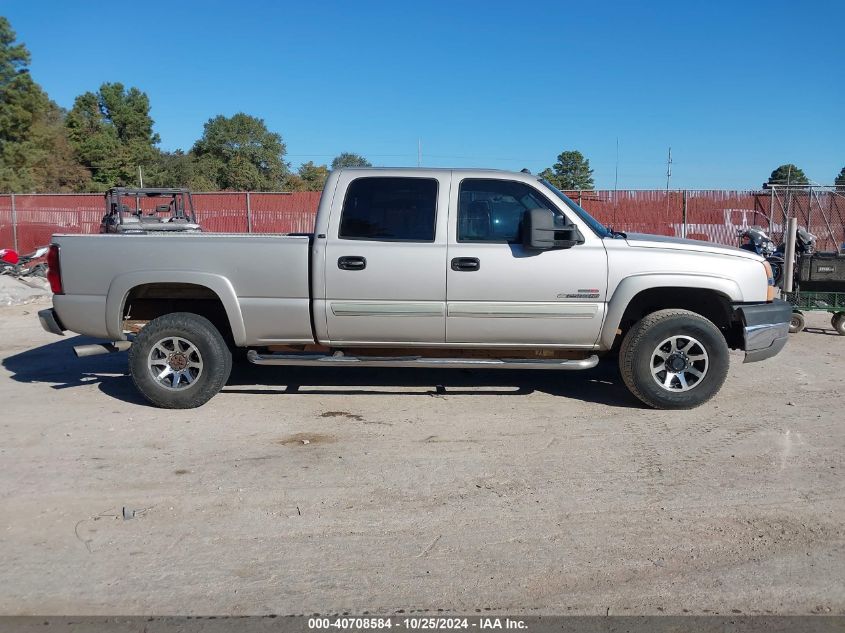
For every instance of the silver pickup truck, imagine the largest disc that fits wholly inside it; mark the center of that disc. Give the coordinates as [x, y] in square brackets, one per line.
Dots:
[459, 268]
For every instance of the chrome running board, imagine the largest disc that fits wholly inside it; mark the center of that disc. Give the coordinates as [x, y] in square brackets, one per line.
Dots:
[338, 360]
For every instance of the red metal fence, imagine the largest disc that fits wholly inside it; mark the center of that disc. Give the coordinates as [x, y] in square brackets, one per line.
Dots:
[28, 220]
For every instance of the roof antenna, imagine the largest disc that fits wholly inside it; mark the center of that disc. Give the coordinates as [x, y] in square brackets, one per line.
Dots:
[525, 170]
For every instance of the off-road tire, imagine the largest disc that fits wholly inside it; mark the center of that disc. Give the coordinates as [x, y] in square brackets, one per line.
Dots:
[838, 322]
[200, 332]
[640, 342]
[796, 322]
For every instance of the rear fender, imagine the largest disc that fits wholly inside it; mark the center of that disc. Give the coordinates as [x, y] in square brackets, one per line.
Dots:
[122, 285]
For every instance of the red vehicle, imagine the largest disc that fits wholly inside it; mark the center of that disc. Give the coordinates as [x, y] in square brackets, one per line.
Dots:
[12, 263]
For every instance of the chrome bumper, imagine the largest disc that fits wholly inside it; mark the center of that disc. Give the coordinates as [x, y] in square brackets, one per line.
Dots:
[50, 321]
[765, 328]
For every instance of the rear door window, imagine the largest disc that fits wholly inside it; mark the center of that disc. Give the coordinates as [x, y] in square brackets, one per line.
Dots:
[390, 210]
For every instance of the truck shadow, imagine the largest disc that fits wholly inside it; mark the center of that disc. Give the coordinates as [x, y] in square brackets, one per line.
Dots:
[602, 385]
[56, 364]
[821, 330]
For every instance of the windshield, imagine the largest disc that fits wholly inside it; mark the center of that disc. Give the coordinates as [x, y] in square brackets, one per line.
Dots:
[598, 228]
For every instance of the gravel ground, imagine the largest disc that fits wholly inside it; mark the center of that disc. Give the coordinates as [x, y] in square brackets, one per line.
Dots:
[14, 292]
[333, 490]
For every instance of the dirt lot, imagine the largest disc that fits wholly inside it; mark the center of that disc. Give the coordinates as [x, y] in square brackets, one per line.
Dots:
[354, 490]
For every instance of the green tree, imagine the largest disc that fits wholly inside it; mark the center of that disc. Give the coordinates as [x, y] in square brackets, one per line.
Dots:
[240, 153]
[54, 166]
[313, 176]
[571, 171]
[34, 153]
[170, 169]
[788, 174]
[294, 182]
[839, 181]
[112, 133]
[21, 97]
[348, 159]
[178, 169]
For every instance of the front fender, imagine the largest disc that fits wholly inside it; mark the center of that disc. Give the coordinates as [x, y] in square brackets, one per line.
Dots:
[631, 286]
[221, 286]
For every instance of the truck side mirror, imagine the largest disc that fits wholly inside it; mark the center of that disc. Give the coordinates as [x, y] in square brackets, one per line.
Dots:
[543, 230]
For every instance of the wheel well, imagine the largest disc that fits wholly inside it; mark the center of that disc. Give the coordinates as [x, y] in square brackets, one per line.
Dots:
[149, 301]
[710, 304]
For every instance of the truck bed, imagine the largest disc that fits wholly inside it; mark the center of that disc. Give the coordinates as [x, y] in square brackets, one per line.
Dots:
[263, 278]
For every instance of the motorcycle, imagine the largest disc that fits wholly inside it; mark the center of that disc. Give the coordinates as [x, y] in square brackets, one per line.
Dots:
[757, 241]
[11, 263]
[805, 243]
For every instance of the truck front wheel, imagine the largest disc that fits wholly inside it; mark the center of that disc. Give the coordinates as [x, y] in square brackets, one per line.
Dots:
[674, 359]
[179, 361]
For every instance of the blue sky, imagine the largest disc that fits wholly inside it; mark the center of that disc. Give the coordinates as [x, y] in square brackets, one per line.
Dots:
[735, 88]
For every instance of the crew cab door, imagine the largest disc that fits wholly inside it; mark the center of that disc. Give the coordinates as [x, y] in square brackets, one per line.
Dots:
[385, 263]
[503, 294]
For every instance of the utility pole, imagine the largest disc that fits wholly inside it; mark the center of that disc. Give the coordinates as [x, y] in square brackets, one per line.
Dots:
[788, 195]
[668, 178]
[140, 176]
[419, 152]
[616, 183]
[668, 170]
[616, 174]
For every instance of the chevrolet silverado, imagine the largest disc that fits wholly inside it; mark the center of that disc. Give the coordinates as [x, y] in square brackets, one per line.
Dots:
[463, 268]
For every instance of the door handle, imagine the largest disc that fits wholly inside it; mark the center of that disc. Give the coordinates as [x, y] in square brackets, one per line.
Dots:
[352, 262]
[465, 264]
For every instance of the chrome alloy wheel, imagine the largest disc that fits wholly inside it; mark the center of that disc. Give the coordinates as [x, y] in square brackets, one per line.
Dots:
[679, 363]
[175, 363]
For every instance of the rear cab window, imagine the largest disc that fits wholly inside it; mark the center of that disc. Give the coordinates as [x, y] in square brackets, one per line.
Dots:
[389, 209]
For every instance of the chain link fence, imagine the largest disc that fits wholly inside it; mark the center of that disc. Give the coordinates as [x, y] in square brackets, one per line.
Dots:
[718, 215]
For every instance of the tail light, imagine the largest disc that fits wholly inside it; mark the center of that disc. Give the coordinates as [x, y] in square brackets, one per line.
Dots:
[54, 270]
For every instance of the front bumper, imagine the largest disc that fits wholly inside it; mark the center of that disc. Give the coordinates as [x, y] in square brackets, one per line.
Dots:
[50, 321]
[765, 328]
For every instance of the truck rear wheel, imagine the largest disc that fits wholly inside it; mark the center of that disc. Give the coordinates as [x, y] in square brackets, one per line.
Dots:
[179, 361]
[674, 359]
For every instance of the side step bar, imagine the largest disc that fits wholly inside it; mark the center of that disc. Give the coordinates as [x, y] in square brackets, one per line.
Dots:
[323, 360]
